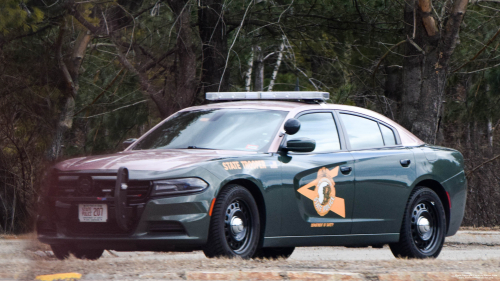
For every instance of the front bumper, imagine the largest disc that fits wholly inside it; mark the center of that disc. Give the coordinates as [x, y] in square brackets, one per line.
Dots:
[157, 224]
[175, 223]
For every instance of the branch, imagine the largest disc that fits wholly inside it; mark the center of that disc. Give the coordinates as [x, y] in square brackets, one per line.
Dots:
[154, 63]
[146, 85]
[126, 63]
[357, 9]
[265, 24]
[384, 56]
[427, 19]
[415, 45]
[493, 1]
[451, 30]
[129, 105]
[102, 93]
[234, 41]
[482, 164]
[64, 69]
[479, 70]
[154, 60]
[480, 51]
[79, 17]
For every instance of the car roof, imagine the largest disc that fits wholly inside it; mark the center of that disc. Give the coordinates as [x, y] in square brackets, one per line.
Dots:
[407, 138]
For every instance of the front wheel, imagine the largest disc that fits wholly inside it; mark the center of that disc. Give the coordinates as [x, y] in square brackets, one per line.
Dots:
[234, 227]
[423, 228]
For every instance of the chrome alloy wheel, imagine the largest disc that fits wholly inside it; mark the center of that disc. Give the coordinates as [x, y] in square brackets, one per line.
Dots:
[238, 228]
[423, 226]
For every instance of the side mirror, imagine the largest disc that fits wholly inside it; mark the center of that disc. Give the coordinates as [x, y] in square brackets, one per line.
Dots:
[128, 142]
[301, 145]
[292, 126]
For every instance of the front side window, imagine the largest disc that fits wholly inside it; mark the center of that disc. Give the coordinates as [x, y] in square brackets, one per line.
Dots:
[321, 128]
[362, 132]
[227, 129]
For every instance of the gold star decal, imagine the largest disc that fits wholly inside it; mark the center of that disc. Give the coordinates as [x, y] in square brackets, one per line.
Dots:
[323, 194]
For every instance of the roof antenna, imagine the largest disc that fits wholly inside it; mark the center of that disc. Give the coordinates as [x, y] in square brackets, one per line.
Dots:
[297, 88]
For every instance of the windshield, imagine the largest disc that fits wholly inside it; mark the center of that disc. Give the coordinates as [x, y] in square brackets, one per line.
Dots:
[228, 129]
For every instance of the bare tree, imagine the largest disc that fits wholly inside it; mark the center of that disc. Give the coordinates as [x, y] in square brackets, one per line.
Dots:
[429, 47]
[70, 72]
[213, 34]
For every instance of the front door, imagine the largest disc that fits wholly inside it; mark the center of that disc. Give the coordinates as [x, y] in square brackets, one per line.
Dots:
[318, 190]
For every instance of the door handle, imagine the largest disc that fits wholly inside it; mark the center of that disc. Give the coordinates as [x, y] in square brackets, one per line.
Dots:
[345, 170]
[405, 162]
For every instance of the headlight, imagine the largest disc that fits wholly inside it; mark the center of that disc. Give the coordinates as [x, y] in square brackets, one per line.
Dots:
[178, 186]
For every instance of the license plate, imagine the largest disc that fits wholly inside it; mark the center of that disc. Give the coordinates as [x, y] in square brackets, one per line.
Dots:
[93, 212]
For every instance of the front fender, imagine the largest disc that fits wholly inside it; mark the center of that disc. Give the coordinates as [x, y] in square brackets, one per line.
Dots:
[263, 173]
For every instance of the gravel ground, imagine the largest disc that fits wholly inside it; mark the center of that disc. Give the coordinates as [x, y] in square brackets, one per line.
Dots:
[24, 259]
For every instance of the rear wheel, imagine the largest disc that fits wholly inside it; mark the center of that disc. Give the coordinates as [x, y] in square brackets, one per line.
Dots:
[423, 228]
[274, 253]
[89, 254]
[61, 252]
[234, 227]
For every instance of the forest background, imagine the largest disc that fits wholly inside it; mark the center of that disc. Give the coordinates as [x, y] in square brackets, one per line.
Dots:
[80, 77]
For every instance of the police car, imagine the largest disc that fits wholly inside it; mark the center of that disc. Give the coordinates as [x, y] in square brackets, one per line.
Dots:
[253, 175]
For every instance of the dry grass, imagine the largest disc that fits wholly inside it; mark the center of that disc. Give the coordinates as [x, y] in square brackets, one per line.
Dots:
[131, 268]
[34, 258]
[471, 228]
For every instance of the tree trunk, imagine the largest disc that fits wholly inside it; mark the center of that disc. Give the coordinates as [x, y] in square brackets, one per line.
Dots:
[186, 82]
[259, 68]
[214, 40]
[70, 74]
[428, 51]
[277, 66]
[248, 75]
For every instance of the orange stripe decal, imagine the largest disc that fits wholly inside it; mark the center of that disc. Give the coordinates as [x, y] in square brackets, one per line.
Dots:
[211, 207]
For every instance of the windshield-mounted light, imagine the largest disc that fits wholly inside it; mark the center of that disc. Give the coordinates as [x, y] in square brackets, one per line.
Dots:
[178, 186]
[293, 95]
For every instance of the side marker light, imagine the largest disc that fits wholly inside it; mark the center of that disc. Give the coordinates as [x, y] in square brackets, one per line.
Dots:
[211, 207]
[449, 200]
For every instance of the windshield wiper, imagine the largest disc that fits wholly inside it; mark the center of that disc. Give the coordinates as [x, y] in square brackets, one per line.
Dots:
[196, 147]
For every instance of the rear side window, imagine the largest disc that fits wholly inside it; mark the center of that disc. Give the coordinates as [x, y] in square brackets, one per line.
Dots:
[388, 134]
[321, 128]
[362, 132]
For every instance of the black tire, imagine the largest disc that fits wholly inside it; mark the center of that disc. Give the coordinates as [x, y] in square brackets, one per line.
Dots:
[88, 254]
[234, 227]
[274, 253]
[61, 252]
[424, 226]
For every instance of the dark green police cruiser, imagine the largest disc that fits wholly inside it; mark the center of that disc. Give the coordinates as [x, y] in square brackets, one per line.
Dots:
[257, 178]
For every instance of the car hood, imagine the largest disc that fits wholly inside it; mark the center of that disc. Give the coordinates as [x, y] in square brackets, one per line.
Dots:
[150, 160]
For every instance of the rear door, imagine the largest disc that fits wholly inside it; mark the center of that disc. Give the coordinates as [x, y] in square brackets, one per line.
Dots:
[317, 195]
[385, 170]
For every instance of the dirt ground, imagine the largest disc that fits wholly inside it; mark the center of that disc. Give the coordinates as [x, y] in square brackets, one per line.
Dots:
[24, 259]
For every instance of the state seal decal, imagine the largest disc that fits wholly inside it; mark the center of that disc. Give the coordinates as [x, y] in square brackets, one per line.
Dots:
[323, 194]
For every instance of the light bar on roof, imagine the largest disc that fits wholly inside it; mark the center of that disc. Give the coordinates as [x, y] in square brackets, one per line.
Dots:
[296, 95]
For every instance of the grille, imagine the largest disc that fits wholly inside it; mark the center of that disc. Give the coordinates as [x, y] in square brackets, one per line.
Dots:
[166, 227]
[95, 228]
[100, 186]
